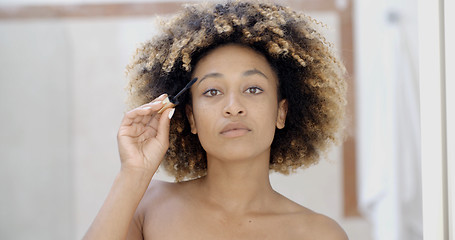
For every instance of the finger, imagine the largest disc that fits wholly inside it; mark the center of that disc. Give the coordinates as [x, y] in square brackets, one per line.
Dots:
[164, 125]
[154, 121]
[161, 97]
[146, 109]
[155, 104]
[158, 99]
[144, 120]
[137, 115]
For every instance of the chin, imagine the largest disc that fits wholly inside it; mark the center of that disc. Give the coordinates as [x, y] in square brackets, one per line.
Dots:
[239, 152]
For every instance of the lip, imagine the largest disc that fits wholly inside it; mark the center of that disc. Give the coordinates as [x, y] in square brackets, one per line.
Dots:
[235, 129]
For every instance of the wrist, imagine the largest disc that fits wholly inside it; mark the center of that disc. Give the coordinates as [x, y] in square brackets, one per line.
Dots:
[136, 175]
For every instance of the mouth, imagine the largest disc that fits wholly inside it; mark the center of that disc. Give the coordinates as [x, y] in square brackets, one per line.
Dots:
[235, 130]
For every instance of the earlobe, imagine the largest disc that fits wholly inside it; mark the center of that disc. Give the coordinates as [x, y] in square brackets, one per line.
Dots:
[282, 113]
[190, 116]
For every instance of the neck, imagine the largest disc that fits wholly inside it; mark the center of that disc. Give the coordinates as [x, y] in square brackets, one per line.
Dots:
[238, 186]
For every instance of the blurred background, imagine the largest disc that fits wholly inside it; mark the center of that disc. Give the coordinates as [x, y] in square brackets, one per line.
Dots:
[62, 98]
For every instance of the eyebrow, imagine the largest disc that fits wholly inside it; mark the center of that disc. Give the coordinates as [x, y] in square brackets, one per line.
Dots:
[245, 74]
[214, 75]
[253, 72]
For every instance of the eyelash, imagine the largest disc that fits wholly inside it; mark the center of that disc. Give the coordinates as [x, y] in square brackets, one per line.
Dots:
[210, 90]
[256, 88]
[206, 93]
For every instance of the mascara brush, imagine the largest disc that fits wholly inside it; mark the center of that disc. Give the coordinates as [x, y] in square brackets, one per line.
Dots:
[172, 101]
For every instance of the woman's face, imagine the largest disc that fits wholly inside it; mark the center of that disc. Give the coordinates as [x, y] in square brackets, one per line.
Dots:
[235, 107]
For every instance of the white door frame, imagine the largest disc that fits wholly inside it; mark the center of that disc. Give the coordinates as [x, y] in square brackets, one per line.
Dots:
[436, 66]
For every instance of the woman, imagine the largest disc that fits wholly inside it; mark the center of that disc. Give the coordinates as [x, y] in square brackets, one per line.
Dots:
[269, 95]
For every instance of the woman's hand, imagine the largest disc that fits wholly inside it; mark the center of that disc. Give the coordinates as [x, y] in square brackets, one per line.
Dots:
[143, 137]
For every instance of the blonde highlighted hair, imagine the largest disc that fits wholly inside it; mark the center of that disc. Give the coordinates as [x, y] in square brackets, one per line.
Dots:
[310, 77]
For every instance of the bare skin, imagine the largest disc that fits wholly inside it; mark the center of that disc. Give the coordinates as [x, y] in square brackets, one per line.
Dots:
[181, 211]
[235, 113]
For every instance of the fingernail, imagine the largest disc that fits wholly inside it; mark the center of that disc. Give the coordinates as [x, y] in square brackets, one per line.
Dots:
[146, 108]
[171, 113]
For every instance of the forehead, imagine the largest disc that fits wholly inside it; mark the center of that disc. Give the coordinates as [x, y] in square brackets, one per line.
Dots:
[233, 57]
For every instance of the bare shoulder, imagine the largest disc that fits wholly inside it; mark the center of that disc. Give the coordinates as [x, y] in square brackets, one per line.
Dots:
[318, 226]
[312, 225]
[161, 195]
[323, 227]
[159, 188]
[157, 193]
[153, 197]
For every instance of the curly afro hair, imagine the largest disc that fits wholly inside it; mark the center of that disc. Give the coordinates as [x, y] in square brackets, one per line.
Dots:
[310, 77]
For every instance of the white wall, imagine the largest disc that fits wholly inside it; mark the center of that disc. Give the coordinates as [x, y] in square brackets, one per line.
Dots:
[36, 177]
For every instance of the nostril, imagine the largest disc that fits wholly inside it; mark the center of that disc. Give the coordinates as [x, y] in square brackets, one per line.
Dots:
[234, 108]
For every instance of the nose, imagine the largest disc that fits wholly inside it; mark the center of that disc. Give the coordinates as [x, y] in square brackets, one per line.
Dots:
[234, 107]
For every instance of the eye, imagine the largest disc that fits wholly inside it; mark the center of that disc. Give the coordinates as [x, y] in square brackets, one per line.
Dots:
[254, 90]
[212, 92]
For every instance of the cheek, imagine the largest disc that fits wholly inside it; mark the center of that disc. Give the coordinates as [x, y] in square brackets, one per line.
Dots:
[205, 121]
[268, 121]
[267, 111]
[204, 118]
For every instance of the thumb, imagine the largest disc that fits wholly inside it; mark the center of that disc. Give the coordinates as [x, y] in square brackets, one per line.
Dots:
[164, 125]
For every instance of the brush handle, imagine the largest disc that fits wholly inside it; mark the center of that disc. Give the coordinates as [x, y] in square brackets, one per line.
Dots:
[172, 101]
[188, 86]
[166, 104]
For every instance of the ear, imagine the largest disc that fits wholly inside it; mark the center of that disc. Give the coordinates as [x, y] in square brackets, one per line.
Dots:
[190, 116]
[282, 112]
